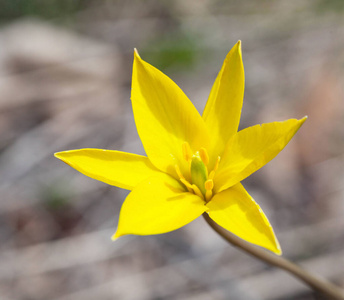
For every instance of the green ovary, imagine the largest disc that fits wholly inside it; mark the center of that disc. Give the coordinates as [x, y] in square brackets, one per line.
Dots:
[199, 173]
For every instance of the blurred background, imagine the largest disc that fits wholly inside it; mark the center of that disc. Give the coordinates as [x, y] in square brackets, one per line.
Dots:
[65, 76]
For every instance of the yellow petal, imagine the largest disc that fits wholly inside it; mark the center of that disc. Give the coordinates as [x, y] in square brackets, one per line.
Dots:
[165, 118]
[158, 205]
[236, 211]
[252, 148]
[121, 169]
[223, 109]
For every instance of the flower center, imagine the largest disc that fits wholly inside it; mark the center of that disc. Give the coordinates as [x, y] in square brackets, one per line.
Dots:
[201, 181]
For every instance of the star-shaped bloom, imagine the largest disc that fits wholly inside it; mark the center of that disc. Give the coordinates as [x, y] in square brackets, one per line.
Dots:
[194, 163]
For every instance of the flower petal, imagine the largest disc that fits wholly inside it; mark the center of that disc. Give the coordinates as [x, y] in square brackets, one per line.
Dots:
[121, 169]
[158, 205]
[223, 109]
[252, 148]
[165, 118]
[236, 211]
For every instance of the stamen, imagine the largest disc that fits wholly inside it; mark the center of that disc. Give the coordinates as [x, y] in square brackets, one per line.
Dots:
[209, 184]
[187, 184]
[211, 175]
[197, 191]
[192, 187]
[180, 175]
[208, 195]
[182, 179]
[204, 155]
[187, 154]
[217, 163]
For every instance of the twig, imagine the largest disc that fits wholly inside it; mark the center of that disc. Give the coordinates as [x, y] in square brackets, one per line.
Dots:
[315, 282]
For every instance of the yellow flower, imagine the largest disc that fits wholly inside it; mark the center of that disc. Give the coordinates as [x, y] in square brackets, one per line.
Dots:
[194, 163]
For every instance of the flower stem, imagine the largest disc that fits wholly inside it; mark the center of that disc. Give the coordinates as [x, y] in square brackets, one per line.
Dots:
[321, 285]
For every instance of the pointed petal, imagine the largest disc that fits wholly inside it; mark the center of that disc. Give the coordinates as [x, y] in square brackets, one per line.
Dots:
[158, 205]
[223, 109]
[121, 169]
[252, 148]
[165, 118]
[236, 211]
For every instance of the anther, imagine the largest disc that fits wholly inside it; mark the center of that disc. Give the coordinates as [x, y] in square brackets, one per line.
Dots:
[209, 184]
[180, 175]
[197, 191]
[192, 188]
[187, 154]
[217, 163]
[204, 155]
[182, 179]
[187, 184]
[212, 173]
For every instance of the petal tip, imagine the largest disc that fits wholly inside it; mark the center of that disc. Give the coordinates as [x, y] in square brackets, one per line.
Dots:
[116, 236]
[303, 120]
[278, 252]
[136, 53]
[58, 155]
[238, 46]
[236, 50]
[63, 155]
[277, 249]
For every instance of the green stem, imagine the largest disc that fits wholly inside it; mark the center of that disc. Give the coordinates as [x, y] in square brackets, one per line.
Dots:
[315, 282]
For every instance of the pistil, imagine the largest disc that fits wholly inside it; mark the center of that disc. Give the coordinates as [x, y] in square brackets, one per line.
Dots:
[199, 172]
